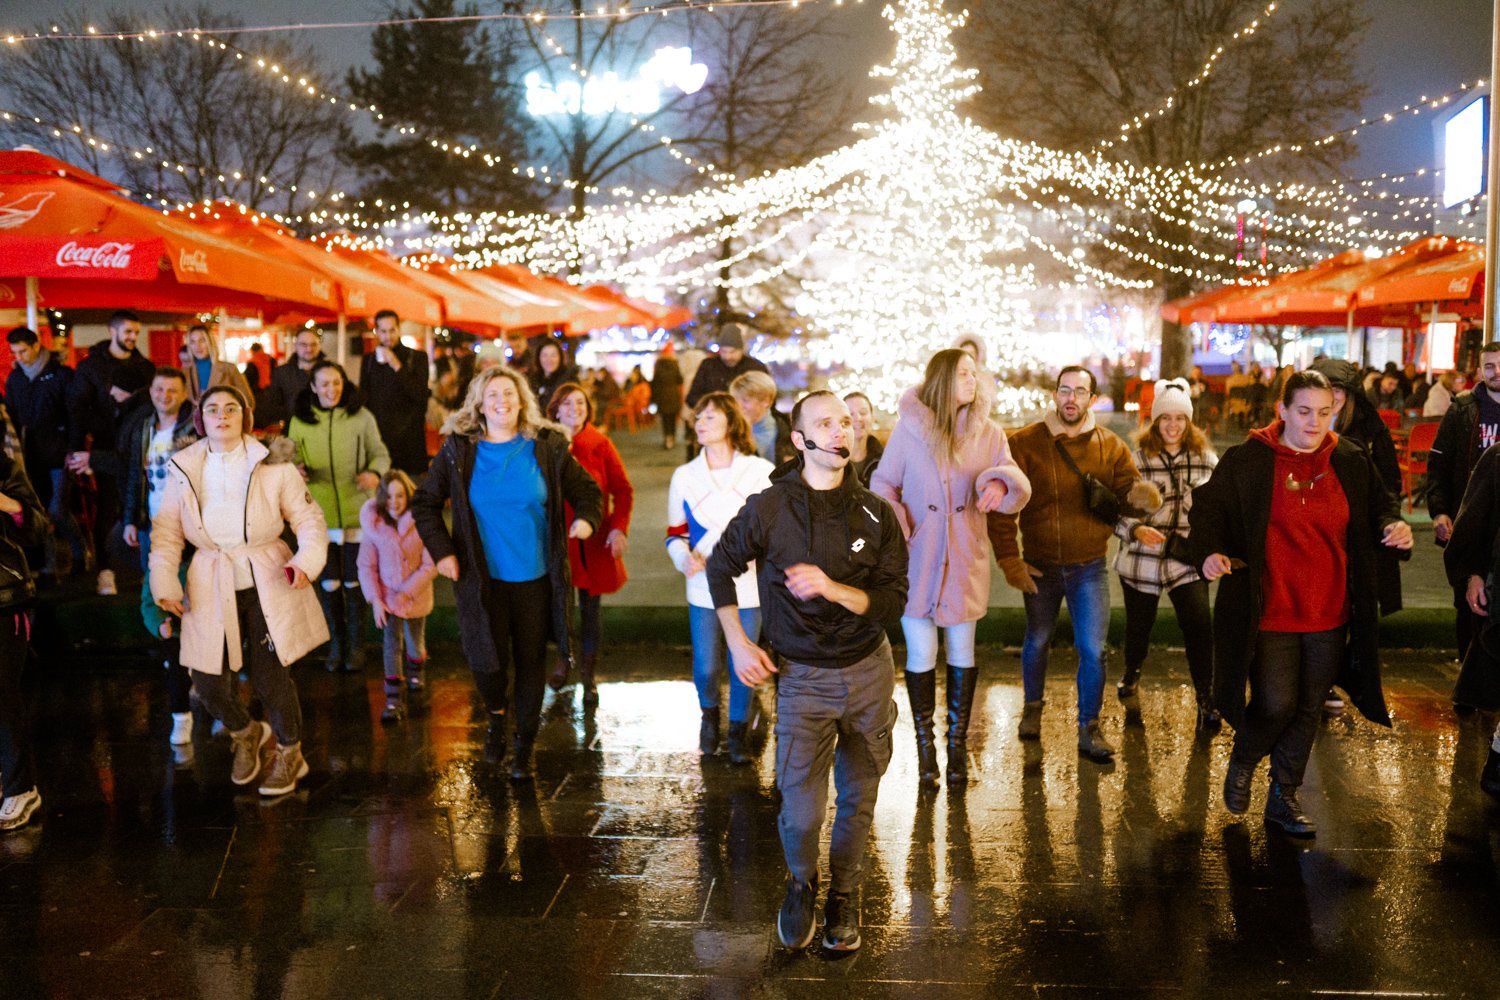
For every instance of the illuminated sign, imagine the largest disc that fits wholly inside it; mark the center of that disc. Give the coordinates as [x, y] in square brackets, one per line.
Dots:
[607, 93]
[1464, 153]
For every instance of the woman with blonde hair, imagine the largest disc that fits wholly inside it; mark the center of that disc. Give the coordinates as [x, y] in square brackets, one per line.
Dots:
[946, 466]
[1175, 455]
[509, 474]
[205, 369]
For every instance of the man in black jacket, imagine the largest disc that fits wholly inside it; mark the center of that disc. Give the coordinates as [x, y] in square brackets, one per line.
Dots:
[37, 393]
[104, 387]
[1471, 425]
[393, 380]
[718, 370]
[832, 573]
[289, 378]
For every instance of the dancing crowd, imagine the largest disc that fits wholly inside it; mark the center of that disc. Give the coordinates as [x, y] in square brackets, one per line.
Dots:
[801, 539]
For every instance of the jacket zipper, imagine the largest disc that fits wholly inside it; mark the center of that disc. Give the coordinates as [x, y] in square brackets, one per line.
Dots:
[333, 473]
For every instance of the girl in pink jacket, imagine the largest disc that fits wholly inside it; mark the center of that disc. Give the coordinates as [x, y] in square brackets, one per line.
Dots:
[396, 572]
[946, 466]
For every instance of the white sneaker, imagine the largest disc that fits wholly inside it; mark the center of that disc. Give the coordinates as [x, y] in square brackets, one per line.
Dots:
[182, 727]
[16, 810]
[107, 583]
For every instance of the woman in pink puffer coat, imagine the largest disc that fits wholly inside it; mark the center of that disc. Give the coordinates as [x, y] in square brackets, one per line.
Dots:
[946, 466]
[396, 573]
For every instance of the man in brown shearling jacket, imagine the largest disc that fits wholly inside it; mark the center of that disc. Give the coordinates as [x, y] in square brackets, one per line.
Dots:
[1065, 546]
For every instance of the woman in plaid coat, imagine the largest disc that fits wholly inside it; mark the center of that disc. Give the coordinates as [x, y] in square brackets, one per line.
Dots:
[1175, 456]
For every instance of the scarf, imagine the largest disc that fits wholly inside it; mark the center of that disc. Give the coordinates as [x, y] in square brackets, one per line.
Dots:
[35, 368]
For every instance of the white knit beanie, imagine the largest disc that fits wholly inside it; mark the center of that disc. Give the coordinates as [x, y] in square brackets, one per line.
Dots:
[1172, 396]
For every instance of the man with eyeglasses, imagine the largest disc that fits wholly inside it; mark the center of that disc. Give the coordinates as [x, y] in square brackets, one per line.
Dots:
[1066, 537]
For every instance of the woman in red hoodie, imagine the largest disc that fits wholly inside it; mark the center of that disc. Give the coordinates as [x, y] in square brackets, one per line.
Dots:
[1290, 521]
[599, 561]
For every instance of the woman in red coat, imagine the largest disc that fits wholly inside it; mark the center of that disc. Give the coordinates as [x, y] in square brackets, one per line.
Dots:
[598, 561]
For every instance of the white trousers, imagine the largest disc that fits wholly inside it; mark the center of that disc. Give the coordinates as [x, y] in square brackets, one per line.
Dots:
[922, 644]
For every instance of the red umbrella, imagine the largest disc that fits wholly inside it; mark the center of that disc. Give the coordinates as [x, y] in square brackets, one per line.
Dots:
[83, 245]
[1457, 277]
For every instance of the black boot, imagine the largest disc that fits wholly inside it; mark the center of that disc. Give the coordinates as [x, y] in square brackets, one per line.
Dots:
[1237, 781]
[395, 700]
[708, 732]
[333, 616]
[921, 691]
[587, 663]
[1126, 687]
[520, 762]
[1209, 719]
[356, 610]
[739, 742]
[1489, 778]
[494, 739]
[1283, 809]
[961, 681]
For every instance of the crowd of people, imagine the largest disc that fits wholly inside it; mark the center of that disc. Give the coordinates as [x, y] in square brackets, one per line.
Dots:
[801, 538]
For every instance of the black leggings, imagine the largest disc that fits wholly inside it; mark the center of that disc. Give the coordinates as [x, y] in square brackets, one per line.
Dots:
[519, 616]
[1289, 679]
[593, 628]
[17, 765]
[1190, 601]
[273, 682]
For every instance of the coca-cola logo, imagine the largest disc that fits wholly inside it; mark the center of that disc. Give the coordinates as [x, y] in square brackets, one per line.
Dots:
[195, 261]
[322, 288]
[357, 299]
[111, 255]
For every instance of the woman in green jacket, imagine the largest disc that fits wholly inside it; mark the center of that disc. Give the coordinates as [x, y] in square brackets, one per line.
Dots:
[342, 457]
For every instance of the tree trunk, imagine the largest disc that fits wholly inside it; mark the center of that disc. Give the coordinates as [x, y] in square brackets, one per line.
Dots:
[1176, 338]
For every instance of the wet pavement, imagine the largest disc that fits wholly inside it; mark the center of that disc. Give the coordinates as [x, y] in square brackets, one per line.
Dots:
[635, 868]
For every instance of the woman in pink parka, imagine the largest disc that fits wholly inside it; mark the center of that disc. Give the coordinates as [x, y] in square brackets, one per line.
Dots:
[946, 466]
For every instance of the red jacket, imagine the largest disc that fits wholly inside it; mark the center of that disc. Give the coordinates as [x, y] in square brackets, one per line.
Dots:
[1307, 560]
[594, 569]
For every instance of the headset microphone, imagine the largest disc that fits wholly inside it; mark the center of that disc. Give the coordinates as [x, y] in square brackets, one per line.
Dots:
[813, 446]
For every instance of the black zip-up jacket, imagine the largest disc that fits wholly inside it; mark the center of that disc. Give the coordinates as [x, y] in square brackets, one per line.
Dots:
[135, 439]
[93, 410]
[849, 533]
[288, 379]
[448, 479]
[39, 408]
[399, 402]
[1454, 454]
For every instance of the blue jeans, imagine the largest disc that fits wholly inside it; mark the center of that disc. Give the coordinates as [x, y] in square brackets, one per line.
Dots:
[1085, 586]
[709, 659]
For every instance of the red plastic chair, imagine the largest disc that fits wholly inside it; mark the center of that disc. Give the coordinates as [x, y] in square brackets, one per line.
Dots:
[1418, 443]
[1392, 418]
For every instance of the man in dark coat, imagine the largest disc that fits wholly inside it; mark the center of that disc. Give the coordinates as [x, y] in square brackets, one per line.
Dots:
[719, 370]
[290, 377]
[1471, 425]
[1471, 566]
[393, 379]
[37, 393]
[110, 381]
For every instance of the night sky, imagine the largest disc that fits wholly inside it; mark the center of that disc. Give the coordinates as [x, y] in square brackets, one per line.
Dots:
[1412, 49]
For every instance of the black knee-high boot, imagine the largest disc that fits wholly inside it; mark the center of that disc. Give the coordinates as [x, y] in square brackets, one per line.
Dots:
[356, 609]
[961, 682]
[921, 690]
[333, 614]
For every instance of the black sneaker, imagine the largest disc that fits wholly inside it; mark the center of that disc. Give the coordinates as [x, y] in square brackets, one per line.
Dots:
[494, 739]
[1283, 809]
[797, 925]
[840, 931]
[1237, 786]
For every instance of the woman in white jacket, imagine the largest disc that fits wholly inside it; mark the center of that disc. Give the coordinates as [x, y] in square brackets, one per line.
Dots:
[704, 497]
[231, 500]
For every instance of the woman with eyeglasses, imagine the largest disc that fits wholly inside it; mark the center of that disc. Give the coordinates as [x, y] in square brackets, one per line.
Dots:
[248, 600]
[1290, 523]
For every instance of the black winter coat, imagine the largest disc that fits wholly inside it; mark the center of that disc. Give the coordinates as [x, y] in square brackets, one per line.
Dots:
[399, 402]
[16, 586]
[1471, 552]
[39, 408]
[849, 533]
[666, 387]
[448, 479]
[1231, 516]
[93, 410]
[544, 385]
[1454, 454]
[1368, 430]
[714, 375]
[288, 379]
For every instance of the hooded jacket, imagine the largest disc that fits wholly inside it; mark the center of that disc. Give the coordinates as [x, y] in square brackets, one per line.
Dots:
[277, 499]
[594, 568]
[334, 447]
[39, 408]
[1231, 516]
[395, 568]
[1056, 525]
[448, 478]
[936, 504]
[848, 532]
